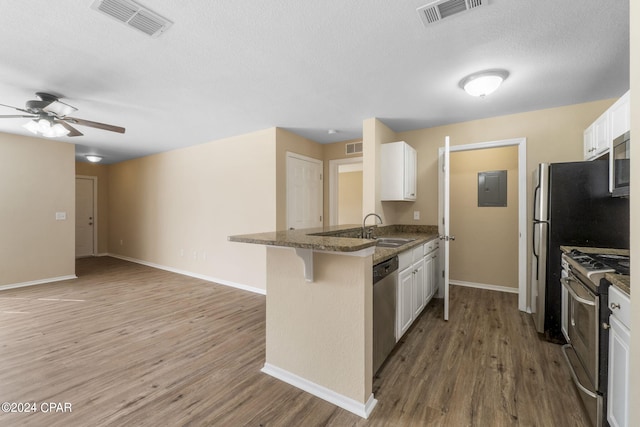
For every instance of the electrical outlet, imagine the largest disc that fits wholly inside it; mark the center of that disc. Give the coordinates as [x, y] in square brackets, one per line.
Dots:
[61, 216]
[416, 215]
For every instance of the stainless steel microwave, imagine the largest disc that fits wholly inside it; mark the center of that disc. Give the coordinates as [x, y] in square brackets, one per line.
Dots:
[621, 164]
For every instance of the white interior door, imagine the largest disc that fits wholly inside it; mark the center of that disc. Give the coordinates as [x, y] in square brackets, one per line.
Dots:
[85, 217]
[304, 192]
[443, 225]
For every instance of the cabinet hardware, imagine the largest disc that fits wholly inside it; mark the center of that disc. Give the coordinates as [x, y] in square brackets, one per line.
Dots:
[605, 325]
[614, 305]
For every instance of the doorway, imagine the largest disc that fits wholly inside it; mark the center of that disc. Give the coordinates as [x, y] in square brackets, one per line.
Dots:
[86, 221]
[522, 214]
[345, 191]
[304, 192]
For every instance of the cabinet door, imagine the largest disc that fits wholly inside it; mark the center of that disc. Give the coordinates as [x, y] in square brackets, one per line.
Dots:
[620, 116]
[435, 282]
[601, 139]
[410, 173]
[428, 277]
[588, 142]
[418, 287]
[618, 390]
[404, 313]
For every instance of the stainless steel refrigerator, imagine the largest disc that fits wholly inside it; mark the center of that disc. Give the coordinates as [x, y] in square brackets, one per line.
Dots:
[571, 206]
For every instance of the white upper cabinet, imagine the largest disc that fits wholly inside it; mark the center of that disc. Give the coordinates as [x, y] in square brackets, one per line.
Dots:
[598, 138]
[620, 116]
[399, 167]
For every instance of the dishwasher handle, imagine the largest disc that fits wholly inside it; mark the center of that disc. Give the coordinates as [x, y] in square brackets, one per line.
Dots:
[385, 268]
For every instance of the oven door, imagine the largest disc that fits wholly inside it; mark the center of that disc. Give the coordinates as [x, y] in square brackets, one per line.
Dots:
[582, 324]
[580, 308]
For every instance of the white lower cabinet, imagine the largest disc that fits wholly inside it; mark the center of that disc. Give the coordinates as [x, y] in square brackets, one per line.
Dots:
[619, 338]
[404, 313]
[415, 284]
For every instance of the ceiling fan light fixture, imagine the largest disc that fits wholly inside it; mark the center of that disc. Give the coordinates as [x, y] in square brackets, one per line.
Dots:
[483, 83]
[93, 158]
[31, 126]
[45, 128]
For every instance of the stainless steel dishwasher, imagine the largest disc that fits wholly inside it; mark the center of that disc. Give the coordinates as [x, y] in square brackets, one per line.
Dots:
[385, 282]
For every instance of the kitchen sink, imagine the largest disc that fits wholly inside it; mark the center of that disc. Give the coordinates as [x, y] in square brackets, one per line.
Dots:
[392, 242]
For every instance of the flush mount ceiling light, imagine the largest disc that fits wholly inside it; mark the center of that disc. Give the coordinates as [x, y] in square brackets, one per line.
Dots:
[92, 158]
[45, 127]
[483, 83]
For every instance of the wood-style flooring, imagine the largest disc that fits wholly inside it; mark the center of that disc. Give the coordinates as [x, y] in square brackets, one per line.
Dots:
[129, 345]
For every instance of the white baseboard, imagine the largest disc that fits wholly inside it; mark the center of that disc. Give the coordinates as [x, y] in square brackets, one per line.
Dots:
[37, 282]
[191, 274]
[361, 409]
[484, 286]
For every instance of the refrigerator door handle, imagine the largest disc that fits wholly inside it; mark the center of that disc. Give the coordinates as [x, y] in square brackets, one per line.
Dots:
[536, 192]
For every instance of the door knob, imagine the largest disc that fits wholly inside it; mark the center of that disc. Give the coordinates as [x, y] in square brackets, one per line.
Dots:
[605, 325]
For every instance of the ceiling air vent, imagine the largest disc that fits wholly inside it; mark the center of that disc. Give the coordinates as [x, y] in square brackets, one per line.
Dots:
[441, 9]
[133, 15]
[354, 148]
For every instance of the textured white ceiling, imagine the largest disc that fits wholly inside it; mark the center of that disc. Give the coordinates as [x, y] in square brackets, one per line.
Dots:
[229, 67]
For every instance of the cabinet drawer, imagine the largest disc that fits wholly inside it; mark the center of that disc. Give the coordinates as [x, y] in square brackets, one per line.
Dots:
[418, 253]
[431, 246]
[405, 259]
[620, 306]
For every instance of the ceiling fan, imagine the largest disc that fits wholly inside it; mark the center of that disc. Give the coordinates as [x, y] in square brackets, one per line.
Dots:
[50, 117]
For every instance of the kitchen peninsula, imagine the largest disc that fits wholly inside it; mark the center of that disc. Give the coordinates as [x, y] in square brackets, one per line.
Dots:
[319, 308]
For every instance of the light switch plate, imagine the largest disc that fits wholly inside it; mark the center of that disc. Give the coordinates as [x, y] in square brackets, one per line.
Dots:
[416, 215]
[61, 216]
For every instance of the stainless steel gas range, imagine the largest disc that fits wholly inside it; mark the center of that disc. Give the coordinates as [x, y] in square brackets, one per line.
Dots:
[584, 323]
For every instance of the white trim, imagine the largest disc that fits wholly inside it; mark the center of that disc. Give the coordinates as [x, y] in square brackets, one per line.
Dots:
[38, 282]
[191, 274]
[522, 207]
[95, 210]
[334, 166]
[498, 288]
[361, 409]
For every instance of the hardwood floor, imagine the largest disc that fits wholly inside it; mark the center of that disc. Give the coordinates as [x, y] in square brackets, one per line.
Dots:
[126, 344]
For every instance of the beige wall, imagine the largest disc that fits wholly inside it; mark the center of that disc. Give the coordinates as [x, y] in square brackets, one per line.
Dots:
[102, 173]
[374, 133]
[37, 179]
[634, 416]
[553, 135]
[176, 209]
[486, 247]
[337, 355]
[289, 142]
[350, 197]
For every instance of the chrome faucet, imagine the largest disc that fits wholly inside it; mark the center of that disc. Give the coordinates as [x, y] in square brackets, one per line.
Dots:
[368, 234]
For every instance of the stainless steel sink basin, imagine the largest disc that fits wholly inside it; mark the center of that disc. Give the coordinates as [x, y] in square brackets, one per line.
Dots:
[392, 242]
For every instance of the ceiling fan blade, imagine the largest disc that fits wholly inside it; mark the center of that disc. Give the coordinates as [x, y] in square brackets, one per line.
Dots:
[91, 124]
[16, 108]
[17, 116]
[59, 108]
[72, 131]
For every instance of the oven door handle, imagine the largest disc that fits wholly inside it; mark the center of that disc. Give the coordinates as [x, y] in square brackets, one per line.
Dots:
[574, 375]
[566, 282]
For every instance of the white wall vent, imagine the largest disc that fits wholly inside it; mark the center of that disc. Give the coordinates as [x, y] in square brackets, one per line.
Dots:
[441, 9]
[353, 148]
[133, 15]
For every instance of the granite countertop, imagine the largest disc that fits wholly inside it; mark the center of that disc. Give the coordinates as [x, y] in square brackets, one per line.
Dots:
[344, 238]
[620, 281]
